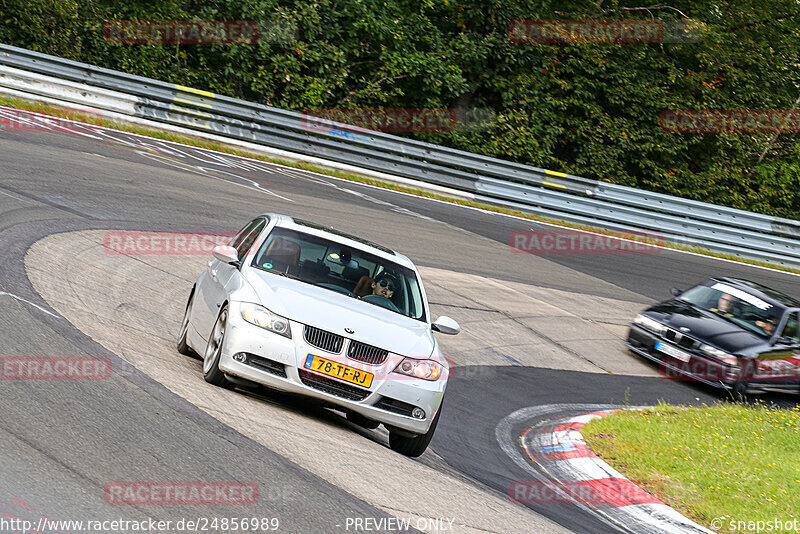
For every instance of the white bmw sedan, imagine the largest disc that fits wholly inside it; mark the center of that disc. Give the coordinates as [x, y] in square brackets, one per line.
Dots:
[304, 308]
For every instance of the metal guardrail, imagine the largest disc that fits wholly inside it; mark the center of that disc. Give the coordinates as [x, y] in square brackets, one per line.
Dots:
[548, 193]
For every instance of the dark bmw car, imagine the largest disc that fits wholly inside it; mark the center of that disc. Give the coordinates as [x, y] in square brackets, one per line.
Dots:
[725, 332]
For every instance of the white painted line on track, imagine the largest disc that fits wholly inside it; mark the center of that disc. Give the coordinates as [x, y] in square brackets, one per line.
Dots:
[586, 468]
[509, 443]
[20, 299]
[15, 197]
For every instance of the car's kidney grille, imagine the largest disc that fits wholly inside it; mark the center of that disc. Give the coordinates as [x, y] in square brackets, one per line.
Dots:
[332, 387]
[680, 339]
[321, 339]
[366, 353]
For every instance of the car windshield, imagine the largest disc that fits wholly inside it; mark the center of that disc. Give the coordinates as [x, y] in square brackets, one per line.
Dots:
[735, 305]
[337, 267]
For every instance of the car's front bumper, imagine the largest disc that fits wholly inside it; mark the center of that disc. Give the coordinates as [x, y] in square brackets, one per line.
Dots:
[386, 401]
[698, 368]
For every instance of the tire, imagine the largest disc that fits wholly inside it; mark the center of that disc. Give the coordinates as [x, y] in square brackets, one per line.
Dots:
[739, 391]
[211, 371]
[182, 346]
[413, 447]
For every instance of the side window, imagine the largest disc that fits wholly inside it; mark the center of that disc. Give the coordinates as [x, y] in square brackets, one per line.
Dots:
[237, 241]
[790, 330]
[248, 239]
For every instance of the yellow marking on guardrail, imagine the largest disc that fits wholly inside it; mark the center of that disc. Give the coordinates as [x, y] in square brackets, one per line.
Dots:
[185, 89]
[555, 185]
[193, 124]
[192, 103]
[556, 173]
[191, 111]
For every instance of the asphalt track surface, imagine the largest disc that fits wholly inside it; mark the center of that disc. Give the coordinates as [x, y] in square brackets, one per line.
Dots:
[61, 441]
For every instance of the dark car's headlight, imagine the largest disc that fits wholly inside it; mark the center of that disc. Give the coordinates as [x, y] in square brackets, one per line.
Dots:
[260, 316]
[650, 324]
[719, 354]
[424, 369]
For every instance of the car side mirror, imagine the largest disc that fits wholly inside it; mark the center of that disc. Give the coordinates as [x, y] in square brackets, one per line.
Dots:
[786, 340]
[226, 254]
[446, 325]
[675, 291]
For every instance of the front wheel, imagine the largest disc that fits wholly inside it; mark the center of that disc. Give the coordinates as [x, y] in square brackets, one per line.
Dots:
[415, 446]
[182, 345]
[211, 371]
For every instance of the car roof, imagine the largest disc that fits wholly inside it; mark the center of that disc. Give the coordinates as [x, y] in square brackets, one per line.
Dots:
[286, 221]
[773, 296]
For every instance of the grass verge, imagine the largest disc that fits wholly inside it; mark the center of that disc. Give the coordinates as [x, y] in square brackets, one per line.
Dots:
[59, 111]
[715, 464]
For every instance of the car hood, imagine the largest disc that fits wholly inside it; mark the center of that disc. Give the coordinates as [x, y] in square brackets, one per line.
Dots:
[705, 326]
[331, 311]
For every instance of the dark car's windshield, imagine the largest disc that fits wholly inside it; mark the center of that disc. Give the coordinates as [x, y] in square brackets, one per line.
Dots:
[735, 305]
[337, 267]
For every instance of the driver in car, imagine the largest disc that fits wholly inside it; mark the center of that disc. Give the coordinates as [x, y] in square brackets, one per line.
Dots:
[384, 285]
[383, 288]
[768, 325]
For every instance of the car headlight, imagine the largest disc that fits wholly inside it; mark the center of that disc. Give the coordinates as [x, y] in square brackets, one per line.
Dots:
[650, 324]
[424, 369]
[260, 316]
[719, 354]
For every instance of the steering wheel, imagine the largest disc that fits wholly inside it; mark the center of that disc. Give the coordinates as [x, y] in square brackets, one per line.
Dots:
[380, 300]
[340, 289]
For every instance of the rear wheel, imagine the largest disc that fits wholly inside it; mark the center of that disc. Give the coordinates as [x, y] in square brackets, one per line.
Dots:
[415, 446]
[183, 346]
[211, 371]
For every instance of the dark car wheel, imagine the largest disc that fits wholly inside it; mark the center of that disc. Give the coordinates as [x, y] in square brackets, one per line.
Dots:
[415, 446]
[211, 371]
[182, 346]
[739, 391]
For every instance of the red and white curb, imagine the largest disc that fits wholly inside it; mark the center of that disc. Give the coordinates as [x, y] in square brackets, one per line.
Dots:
[578, 476]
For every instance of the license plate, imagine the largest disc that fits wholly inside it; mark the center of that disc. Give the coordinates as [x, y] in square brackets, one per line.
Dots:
[337, 370]
[676, 353]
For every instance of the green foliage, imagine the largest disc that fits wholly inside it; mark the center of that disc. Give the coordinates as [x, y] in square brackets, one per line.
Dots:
[586, 109]
[728, 461]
